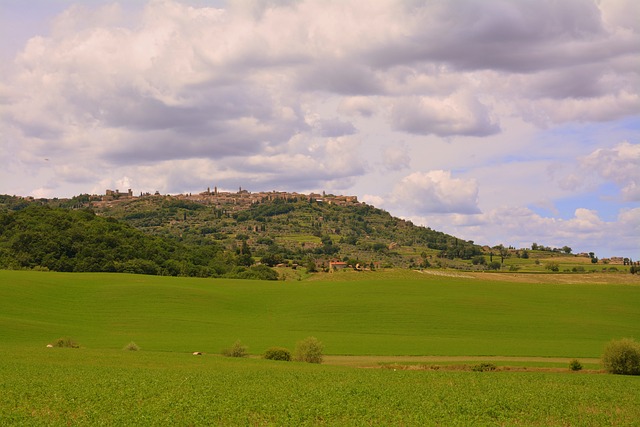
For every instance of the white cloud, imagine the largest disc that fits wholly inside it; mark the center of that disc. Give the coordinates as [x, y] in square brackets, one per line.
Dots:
[396, 157]
[436, 192]
[306, 95]
[520, 227]
[620, 164]
[458, 114]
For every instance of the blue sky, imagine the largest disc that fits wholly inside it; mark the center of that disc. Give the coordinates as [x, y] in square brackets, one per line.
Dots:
[497, 121]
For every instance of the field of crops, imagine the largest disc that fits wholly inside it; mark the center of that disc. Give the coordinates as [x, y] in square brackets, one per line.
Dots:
[376, 314]
[115, 387]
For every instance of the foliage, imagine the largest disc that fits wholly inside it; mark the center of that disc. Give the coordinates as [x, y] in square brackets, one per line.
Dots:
[56, 239]
[132, 347]
[191, 222]
[66, 342]
[479, 260]
[575, 365]
[278, 353]
[495, 265]
[236, 350]
[552, 266]
[484, 367]
[309, 350]
[622, 357]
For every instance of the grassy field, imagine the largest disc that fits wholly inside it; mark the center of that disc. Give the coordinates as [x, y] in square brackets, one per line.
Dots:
[379, 317]
[114, 387]
[404, 313]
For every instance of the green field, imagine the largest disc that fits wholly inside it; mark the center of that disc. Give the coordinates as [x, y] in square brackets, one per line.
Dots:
[385, 314]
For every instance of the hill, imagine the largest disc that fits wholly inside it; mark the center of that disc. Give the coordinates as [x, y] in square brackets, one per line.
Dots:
[228, 234]
[274, 228]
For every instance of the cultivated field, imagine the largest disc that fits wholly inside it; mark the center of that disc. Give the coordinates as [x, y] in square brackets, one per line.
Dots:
[408, 325]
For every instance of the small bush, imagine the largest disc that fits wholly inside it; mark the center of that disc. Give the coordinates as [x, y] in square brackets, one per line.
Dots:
[132, 347]
[309, 350]
[66, 342]
[495, 265]
[484, 367]
[278, 353]
[575, 365]
[236, 350]
[622, 357]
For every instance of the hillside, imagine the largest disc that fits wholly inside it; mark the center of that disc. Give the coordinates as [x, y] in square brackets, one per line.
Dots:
[275, 228]
[238, 231]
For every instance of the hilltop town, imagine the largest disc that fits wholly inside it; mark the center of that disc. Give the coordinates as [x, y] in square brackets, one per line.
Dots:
[232, 201]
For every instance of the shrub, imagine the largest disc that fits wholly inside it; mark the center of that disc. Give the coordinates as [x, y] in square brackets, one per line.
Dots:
[309, 350]
[278, 353]
[236, 350]
[66, 342]
[495, 265]
[622, 357]
[132, 346]
[484, 367]
[552, 266]
[575, 365]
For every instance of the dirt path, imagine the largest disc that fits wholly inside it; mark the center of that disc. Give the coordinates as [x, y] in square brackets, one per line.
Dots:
[377, 361]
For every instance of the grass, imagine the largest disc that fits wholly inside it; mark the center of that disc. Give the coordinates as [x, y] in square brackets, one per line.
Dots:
[115, 387]
[377, 314]
[456, 319]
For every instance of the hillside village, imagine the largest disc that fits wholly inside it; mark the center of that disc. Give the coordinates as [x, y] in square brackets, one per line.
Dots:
[242, 199]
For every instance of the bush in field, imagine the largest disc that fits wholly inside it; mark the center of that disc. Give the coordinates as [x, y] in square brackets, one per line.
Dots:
[278, 353]
[236, 350]
[575, 365]
[495, 265]
[622, 357]
[66, 342]
[132, 347]
[309, 350]
[552, 266]
[484, 367]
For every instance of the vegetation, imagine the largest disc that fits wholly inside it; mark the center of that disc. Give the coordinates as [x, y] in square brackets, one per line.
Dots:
[309, 350]
[622, 357]
[65, 342]
[380, 313]
[575, 365]
[132, 347]
[113, 387]
[278, 353]
[357, 313]
[180, 236]
[40, 237]
[236, 350]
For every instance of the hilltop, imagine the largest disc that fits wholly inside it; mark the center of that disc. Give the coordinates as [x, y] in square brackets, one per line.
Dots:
[274, 227]
[320, 232]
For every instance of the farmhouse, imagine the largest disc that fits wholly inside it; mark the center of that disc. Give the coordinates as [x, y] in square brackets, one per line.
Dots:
[337, 265]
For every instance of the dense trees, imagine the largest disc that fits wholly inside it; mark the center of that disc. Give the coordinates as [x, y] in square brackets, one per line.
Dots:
[79, 240]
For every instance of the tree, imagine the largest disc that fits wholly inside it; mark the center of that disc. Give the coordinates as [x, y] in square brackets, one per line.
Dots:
[534, 246]
[566, 249]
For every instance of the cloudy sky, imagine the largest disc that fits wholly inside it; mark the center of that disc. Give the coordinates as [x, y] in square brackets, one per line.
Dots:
[499, 121]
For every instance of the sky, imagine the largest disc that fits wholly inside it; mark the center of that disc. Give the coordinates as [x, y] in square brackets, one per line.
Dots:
[498, 121]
